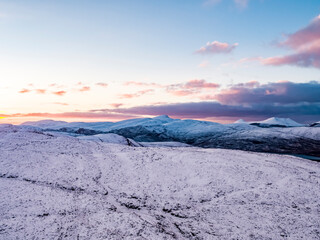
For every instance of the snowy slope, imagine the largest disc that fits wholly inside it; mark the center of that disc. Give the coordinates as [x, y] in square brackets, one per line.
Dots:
[110, 138]
[57, 187]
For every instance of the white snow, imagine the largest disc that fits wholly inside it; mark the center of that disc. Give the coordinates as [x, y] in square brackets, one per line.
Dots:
[58, 187]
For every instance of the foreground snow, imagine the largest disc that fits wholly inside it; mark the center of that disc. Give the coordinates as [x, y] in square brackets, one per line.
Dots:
[60, 187]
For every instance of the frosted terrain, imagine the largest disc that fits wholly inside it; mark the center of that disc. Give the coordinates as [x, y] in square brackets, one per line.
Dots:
[63, 187]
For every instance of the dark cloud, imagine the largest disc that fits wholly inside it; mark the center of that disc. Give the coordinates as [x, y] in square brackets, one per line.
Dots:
[300, 101]
[215, 109]
[274, 93]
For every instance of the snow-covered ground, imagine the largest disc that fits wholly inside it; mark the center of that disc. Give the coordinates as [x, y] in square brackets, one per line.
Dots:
[62, 187]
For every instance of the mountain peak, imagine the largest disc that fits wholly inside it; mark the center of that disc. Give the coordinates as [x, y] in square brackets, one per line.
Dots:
[281, 121]
[240, 121]
[162, 117]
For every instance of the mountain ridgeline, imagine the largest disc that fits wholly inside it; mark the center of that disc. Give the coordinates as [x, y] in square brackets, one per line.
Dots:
[274, 135]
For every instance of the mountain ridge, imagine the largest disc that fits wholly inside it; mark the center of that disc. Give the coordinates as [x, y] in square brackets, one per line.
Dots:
[274, 135]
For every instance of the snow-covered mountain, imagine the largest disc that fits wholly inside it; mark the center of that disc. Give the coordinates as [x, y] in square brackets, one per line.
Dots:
[282, 122]
[61, 187]
[102, 126]
[290, 137]
[195, 125]
[240, 121]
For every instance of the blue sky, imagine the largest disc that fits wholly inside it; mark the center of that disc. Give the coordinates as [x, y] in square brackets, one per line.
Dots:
[155, 42]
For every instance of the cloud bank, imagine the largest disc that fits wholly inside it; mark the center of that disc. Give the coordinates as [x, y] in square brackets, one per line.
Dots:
[251, 100]
[284, 92]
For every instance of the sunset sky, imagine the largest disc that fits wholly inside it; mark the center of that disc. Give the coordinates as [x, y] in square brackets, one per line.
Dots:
[109, 60]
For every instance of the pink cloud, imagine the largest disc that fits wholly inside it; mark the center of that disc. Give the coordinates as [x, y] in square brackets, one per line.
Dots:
[137, 94]
[60, 103]
[305, 45]
[181, 93]
[59, 93]
[203, 64]
[116, 105]
[196, 83]
[304, 36]
[241, 3]
[55, 85]
[216, 47]
[101, 84]
[24, 90]
[84, 89]
[250, 84]
[142, 84]
[74, 115]
[191, 87]
[41, 91]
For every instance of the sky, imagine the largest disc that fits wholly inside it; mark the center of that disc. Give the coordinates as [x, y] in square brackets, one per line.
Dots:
[109, 60]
